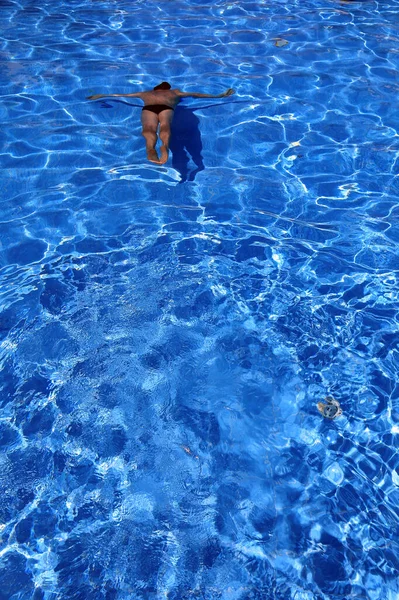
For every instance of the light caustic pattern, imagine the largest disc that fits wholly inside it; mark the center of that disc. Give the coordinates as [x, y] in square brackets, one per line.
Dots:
[167, 332]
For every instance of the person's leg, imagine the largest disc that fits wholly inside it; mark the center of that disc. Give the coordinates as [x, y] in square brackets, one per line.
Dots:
[149, 121]
[165, 120]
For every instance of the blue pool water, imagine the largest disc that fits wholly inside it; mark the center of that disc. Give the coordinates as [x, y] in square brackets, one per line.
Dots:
[167, 332]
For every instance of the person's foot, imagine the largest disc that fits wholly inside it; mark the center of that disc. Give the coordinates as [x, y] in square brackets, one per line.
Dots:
[164, 155]
[152, 155]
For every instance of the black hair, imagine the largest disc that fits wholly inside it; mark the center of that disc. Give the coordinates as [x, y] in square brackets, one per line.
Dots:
[163, 86]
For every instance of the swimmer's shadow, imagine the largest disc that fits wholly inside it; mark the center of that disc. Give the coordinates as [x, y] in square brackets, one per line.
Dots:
[186, 140]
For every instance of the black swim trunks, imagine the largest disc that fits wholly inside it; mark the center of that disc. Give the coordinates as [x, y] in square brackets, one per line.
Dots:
[157, 108]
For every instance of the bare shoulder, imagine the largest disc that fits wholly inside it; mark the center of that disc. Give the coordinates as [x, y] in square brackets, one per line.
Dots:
[178, 92]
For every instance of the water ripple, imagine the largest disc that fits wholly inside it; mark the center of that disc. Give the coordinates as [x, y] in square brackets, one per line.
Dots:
[166, 332]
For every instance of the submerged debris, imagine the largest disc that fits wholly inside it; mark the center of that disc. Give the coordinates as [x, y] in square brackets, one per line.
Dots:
[330, 410]
[280, 42]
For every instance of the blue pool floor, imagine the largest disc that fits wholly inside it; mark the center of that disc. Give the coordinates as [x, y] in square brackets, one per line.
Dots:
[167, 332]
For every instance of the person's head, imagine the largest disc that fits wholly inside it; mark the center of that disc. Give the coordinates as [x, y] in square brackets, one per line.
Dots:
[163, 86]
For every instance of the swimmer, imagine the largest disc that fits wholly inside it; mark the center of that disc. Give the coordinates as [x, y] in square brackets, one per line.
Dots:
[158, 108]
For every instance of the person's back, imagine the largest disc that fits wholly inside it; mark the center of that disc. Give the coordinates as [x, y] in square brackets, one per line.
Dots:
[166, 97]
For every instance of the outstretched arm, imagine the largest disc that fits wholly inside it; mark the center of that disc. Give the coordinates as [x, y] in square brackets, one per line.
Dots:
[198, 95]
[97, 96]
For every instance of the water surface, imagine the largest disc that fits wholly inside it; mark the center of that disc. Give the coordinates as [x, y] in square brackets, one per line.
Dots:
[168, 331]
